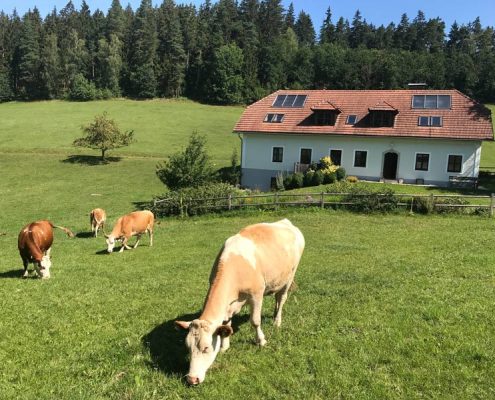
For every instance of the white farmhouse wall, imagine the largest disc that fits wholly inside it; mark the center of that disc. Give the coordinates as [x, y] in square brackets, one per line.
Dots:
[258, 168]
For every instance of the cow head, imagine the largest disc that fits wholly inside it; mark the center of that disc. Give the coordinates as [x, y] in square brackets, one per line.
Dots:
[203, 342]
[44, 267]
[110, 243]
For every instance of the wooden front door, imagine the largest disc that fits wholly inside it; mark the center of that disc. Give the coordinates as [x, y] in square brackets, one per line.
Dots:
[390, 165]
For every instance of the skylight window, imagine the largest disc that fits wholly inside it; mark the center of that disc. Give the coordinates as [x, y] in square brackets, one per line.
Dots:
[442, 101]
[430, 121]
[351, 119]
[274, 118]
[290, 100]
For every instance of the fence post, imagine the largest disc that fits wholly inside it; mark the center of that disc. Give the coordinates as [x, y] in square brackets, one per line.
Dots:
[276, 200]
[230, 201]
[181, 207]
[432, 201]
[322, 200]
[492, 204]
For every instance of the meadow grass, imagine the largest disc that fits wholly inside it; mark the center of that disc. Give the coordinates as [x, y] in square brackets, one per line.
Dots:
[387, 306]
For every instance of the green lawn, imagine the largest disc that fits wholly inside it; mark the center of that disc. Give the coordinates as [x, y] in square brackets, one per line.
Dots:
[387, 306]
[161, 126]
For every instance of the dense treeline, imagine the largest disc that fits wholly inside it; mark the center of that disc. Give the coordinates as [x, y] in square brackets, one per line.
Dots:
[232, 51]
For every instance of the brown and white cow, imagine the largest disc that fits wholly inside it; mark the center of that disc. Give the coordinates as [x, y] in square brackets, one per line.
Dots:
[133, 224]
[35, 244]
[261, 259]
[97, 218]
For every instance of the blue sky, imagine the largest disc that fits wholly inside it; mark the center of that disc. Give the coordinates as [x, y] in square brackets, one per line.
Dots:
[375, 11]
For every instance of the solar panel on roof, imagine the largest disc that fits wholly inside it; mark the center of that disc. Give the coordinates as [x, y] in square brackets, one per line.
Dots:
[289, 100]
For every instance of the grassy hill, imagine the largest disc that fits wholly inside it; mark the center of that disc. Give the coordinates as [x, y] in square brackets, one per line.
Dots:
[161, 126]
[387, 306]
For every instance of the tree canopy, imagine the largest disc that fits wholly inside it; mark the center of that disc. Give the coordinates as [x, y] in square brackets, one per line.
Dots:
[103, 134]
[172, 50]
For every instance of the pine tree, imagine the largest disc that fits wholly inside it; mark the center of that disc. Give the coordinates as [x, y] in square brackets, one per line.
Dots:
[172, 58]
[142, 57]
[290, 17]
[109, 61]
[30, 85]
[227, 83]
[115, 21]
[50, 66]
[304, 29]
[327, 30]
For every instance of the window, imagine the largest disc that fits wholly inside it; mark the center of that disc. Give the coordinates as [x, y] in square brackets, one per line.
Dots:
[360, 158]
[324, 118]
[351, 119]
[290, 100]
[442, 101]
[336, 156]
[430, 121]
[455, 163]
[422, 162]
[381, 119]
[277, 154]
[305, 157]
[274, 118]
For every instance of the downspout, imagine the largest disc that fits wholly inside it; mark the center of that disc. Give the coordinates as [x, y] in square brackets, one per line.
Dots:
[242, 155]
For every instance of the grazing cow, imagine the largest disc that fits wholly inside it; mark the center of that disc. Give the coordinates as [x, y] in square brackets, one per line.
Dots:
[260, 260]
[35, 243]
[97, 218]
[133, 224]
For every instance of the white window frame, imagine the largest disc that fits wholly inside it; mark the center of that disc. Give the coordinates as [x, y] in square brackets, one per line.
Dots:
[283, 154]
[341, 154]
[462, 163]
[299, 155]
[429, 161]
[354, 158]
[347, 119]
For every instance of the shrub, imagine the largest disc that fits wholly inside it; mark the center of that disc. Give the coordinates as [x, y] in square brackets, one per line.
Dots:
[318, 178]
[190, 167]
[325, 162]
[194, 200]
[352, 179]
[279, 182]
[444, 203]
[82, 89]
[308, 177]
[422, 205]
[289, 181]
[366, 201]
[298, 180]
[340, 173]
[329, 176]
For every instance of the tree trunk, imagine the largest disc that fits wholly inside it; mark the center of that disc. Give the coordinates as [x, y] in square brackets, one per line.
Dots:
[103, 154]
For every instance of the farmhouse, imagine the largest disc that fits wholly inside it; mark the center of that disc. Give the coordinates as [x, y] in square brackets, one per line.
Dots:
[411, 136]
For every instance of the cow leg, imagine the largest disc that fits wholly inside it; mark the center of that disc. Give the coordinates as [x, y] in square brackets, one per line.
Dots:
[48, 252]
[280, 298]
[150, 232]
[25, 263]
[256, 302]
[137, 241]
[225, 343]
[96, 230]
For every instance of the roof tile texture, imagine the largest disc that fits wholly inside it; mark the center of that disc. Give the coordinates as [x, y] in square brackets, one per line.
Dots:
[465, 120]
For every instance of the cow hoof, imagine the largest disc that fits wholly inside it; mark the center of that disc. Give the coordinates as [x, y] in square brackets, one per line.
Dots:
[277, 323]
[261, 342]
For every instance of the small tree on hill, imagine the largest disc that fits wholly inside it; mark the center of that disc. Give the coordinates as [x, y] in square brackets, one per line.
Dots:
[103, 134]
[189, 168]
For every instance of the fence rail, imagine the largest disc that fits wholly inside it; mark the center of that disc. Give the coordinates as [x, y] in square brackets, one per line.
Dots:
[321, 199]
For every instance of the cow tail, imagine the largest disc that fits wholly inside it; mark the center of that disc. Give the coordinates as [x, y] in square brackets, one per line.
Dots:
[67, 231]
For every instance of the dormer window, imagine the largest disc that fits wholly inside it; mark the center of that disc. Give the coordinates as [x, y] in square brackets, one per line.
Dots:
[324, 118]
[290, 101]
[379, 119]
[441, 101]
[274, 118]
[430, 121]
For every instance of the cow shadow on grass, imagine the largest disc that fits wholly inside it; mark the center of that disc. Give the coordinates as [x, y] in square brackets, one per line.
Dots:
[85, 235]
[12, 274]
[167, 348]
[89, 160]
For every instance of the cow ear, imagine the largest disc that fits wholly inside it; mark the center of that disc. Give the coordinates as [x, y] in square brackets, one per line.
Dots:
[224, 330]
[182, 325]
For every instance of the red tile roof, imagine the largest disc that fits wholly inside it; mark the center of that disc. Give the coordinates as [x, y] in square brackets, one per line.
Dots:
[465, 120]
[325, 106]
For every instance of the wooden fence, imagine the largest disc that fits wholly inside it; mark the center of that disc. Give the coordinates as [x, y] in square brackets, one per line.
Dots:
[276, 200]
